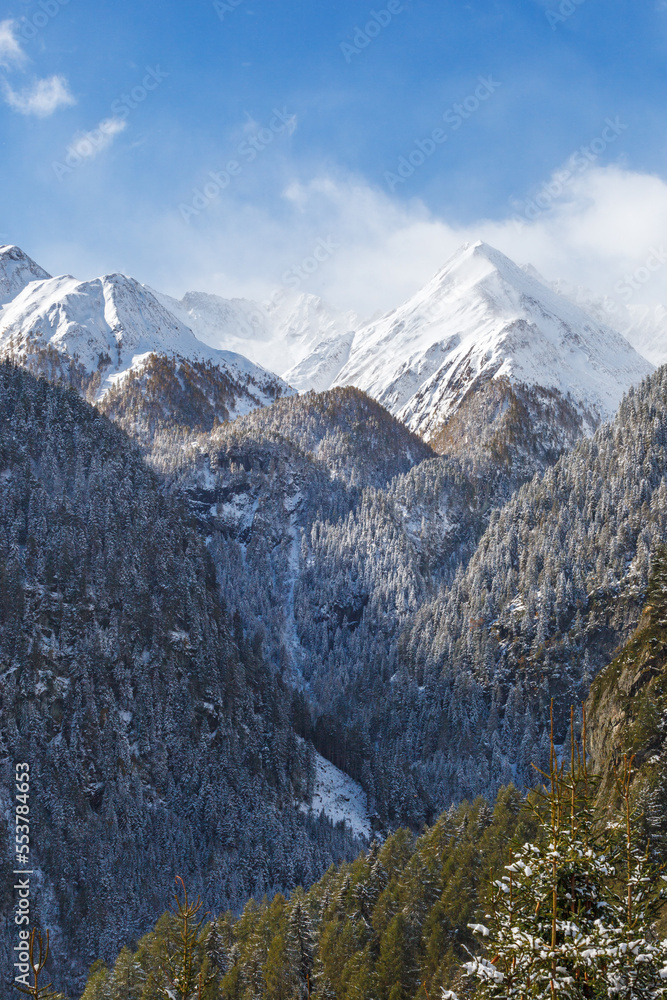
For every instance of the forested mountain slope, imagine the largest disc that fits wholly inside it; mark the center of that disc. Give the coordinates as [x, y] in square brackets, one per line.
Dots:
[257, 483]
[567, 557]
[423, 681]
[379, 927]
[330, 526]
[164, 392]
[158, 737]
[350, 434]
[398, 923]
[557, 582]
[428, 697]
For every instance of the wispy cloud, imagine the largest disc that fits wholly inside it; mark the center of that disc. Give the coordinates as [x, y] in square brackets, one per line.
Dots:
[11, 53]
[603, 227]
[87, 145]
[42, 98]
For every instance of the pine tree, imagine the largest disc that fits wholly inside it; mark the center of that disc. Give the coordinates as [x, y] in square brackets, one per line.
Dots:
[301, 945]
[180, 979]
[216, 949]
[395, 968]
[128, 977]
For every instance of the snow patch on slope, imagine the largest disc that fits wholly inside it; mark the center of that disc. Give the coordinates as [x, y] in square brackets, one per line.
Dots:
[340, 798]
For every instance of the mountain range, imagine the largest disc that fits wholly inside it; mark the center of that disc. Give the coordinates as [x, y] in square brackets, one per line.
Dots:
[482, 328]
[218, 582]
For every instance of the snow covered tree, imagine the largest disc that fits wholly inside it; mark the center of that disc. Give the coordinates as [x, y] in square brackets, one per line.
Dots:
[216, 949]
[573, 914]
[301, 945]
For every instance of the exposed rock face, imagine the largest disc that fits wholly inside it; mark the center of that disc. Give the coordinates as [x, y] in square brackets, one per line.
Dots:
[627, 703]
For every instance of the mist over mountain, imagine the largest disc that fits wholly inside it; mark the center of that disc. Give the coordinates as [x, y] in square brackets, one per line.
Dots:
[278, 335]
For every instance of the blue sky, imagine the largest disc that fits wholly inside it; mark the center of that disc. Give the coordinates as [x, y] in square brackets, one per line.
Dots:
[117, 115]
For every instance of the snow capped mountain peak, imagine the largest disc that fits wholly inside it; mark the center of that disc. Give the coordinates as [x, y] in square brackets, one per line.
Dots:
[482, 317]
[109, 325]
[472, 261]
[477, 268]
[112, 316]
[16, 271]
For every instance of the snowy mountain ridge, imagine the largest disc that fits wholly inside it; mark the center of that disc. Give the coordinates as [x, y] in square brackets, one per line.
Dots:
[644, 326]
[110, 325]
[481, 321]
[279, 335]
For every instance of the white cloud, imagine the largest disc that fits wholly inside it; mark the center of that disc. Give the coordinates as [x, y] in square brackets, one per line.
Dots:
[603, 226]
[87, 145]
[42, 98]
[11, 53]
